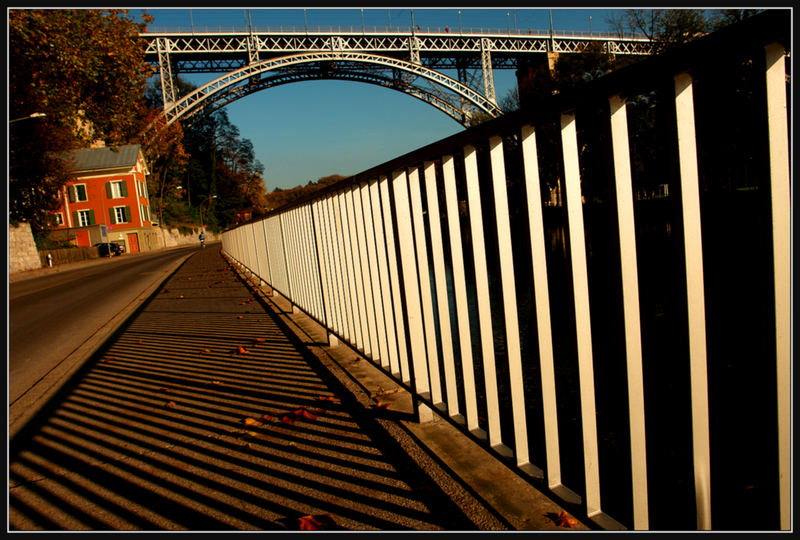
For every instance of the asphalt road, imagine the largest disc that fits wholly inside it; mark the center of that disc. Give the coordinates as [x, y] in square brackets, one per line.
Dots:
[52, 317]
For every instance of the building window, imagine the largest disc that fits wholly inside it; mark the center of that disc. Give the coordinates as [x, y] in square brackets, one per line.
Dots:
[141, 189]
[84, 218]
[58, 218]
[116, 189]
[120, 214]
[77, 193]
[144, 213]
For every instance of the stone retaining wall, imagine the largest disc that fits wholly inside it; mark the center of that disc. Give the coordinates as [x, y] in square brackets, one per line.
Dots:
[22, 253]
[174, 238]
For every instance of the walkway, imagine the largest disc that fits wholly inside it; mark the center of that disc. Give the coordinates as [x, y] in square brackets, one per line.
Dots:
[205, 412]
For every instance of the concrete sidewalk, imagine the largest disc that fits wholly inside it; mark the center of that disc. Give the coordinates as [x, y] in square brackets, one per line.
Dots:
[216, 408]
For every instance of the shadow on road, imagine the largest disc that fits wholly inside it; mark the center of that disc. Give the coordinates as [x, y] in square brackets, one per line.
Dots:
[200, 414]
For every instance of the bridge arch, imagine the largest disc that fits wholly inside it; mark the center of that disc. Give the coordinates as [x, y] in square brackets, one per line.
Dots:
[405, 77]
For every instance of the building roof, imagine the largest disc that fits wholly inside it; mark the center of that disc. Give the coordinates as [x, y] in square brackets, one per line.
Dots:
[106, 157]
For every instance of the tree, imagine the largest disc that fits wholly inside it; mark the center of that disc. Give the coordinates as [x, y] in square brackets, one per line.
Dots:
[665, 27]
[85, 70]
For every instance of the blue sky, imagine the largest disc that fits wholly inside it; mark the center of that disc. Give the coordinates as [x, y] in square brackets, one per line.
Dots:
[304, 131]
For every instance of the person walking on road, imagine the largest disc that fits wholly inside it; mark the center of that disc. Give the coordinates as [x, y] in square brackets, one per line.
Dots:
[202, 239]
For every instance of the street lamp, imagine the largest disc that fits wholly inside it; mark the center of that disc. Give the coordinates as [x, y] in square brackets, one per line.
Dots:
[34, 115]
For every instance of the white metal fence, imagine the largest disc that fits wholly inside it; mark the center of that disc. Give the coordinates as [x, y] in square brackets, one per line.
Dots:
[605, 361]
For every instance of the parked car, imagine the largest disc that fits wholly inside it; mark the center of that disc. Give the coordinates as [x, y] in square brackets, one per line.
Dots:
[108, 249]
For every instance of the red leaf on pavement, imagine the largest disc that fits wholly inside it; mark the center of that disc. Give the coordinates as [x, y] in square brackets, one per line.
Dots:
[304, 413]
[333, 399]
[317, 523]
[242, 350]
[169, 405]
[381, 405]
[259, 340]
[288, 419]
[564, 520]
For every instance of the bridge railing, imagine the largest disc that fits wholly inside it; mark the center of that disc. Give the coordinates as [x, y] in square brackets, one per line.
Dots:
[597, 288]
[373, 29]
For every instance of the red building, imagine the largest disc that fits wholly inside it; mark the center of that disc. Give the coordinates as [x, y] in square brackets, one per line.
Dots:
[106, 200]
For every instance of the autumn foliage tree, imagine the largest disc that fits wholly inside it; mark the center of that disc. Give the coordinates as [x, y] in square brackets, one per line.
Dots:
[201, 172]
[85, 70]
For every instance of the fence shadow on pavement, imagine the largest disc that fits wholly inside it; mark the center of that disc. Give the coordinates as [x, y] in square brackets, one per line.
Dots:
[200, 414]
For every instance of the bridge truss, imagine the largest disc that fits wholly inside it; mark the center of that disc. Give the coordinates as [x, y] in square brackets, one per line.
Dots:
[411, 62]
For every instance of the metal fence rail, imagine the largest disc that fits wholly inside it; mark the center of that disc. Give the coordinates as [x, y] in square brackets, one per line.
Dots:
[531, 282]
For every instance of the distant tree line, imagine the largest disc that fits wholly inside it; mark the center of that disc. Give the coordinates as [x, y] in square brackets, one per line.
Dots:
[279, 197]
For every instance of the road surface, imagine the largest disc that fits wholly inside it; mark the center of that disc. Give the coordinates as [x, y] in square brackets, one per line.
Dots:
[62, 318]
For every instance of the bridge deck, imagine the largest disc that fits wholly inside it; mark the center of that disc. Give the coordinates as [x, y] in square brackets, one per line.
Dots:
[172, 425]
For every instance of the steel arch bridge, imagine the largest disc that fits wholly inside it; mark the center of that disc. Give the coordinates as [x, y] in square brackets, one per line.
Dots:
[407, 60]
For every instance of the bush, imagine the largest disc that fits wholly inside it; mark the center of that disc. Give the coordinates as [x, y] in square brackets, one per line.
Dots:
[43, 242]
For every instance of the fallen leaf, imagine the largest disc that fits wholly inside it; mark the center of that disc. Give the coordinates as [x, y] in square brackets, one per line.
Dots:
[259, 340]
[288, 419]
[381, 405]
[249, 421]
[164, 389]
[268, 418]
[305, 414]
[170, 405]
[242, 350]
[206, 350]
[215, 382]
[139, 342]
[239, 317]
[317, 523]
[333, 399]
[564, 520]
